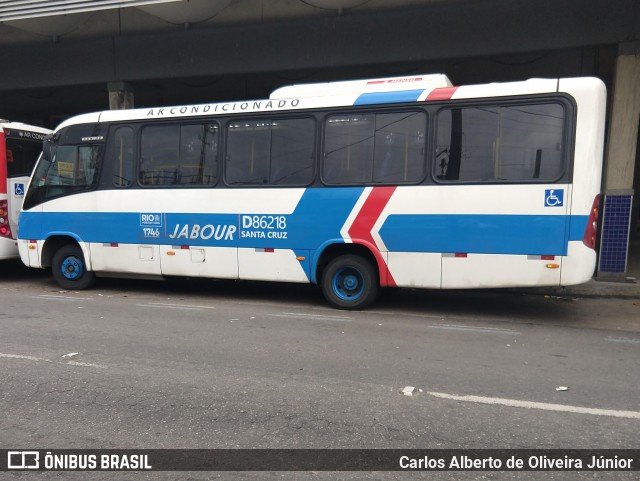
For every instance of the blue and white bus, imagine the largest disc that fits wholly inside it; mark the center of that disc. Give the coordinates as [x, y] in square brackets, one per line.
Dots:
[358, 185]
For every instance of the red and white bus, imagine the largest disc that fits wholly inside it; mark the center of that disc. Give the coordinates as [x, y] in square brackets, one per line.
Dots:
[20, 147]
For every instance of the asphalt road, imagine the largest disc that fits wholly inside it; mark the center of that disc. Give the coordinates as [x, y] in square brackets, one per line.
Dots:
[204, 364]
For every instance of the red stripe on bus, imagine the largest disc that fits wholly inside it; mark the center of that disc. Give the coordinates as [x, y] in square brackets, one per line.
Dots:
[444, 93]
[360, 231]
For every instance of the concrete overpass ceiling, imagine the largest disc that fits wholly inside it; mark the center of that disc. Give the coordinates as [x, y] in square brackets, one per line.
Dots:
[58, 18]
[48, 106]
[183, 51]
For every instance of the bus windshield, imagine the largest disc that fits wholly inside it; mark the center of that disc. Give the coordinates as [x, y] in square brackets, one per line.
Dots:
[68, 168]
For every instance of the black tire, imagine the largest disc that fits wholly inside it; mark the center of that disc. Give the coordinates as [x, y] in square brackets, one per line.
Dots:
[350, 282]
[70, 270]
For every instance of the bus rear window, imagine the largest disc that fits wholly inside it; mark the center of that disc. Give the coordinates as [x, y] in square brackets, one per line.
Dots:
[21, 156]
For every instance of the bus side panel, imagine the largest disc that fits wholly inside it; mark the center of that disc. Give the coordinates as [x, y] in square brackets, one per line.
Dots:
[199, 261]
[3, 162]
[30, 252]
[25, 254]
[590, 97]
[8, 248]
[579, 265]
[279, 265]
[31, 229]
[125, 258]
[464, 232]
[486, 270]
[416, 269]
[16, 188]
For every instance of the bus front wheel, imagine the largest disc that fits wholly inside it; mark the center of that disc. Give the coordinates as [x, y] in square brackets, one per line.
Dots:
[350, 282]
[70, 270]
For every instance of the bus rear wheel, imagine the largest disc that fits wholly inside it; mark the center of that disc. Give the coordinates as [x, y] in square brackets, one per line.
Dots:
[70, 270]
[350, 282]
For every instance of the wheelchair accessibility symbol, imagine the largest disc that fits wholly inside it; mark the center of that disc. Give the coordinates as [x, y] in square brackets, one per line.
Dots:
[554, 197]
[18, 189]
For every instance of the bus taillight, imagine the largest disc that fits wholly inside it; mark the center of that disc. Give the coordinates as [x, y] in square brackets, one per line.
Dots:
[591, 231]
[5, 229]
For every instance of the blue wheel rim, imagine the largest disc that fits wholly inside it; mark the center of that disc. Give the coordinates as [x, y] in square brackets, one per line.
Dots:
[348, 284]
[72, 268]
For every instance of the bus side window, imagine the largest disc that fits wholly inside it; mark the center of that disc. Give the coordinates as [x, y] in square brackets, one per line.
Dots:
[159, 155]
[374, 148]
[348, 149]
[292, 151]
[198, 154]
[504, 143]
[398, 155]
[248, 152]
[449, 145]
[120, 156]
[270, 152]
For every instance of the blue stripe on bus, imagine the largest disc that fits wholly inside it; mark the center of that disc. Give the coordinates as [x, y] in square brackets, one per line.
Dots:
[318, 217]
[317, 222]
[388, 97]
[480, 234]
[321, 214]
[577, 227]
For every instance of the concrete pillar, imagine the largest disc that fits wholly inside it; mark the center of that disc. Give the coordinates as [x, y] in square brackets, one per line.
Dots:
[620, 162]
[120, 95]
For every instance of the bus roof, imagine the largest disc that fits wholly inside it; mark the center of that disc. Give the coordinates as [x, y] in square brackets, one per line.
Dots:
[5, 124]
[417, 88]
[391, 84]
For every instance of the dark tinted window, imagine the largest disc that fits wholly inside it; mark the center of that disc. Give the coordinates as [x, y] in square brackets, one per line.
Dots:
[501, 143]
[348, 149]
[121, 156]
[374, 148]
[198, 155]
[179, 155]
[21, 156]
[399, 148]
[159, 155]
[270, 152]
